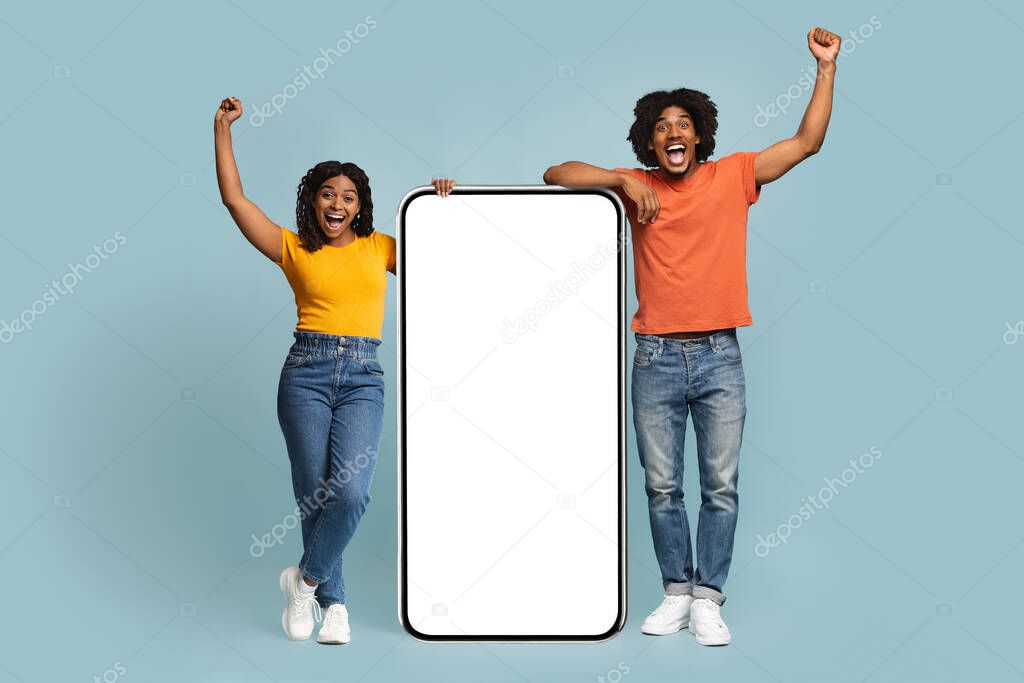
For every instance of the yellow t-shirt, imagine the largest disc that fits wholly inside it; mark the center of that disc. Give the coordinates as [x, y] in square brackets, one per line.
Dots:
[339, 290]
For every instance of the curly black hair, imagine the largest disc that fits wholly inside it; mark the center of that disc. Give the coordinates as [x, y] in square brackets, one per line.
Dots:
[648, 109]
[310, 234]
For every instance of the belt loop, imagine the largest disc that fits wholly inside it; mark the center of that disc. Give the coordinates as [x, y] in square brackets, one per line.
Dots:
[661, 345]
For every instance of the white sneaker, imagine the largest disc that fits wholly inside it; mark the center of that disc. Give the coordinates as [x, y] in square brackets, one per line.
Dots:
[706, 623]
[297, 617]
[335, 629]
[670, 616]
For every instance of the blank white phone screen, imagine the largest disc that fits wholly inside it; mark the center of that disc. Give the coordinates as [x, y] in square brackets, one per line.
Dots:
[512, 414]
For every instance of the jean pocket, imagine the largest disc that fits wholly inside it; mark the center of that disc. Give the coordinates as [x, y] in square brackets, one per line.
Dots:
[644, 356]
[728, 348]
[373, 366]
[296, 359]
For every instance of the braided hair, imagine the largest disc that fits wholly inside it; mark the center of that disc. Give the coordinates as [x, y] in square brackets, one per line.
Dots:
[648, 108]
[310, 234]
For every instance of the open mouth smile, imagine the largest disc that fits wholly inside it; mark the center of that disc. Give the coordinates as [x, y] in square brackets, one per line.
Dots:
[334, 220]
[676, 153]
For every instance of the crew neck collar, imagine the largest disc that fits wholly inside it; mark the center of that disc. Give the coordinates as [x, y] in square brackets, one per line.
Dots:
[344, 246]
[698, 179]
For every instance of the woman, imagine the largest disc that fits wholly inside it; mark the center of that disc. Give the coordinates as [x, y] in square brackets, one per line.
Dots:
[330, 398]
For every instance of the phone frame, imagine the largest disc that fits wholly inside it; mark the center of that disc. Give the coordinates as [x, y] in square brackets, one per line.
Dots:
[403, 615]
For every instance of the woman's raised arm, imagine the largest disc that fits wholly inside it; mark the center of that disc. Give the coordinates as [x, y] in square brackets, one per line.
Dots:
[261, 232]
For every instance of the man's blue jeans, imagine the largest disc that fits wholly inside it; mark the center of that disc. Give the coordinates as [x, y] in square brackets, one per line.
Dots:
[671, 379]
[330, 403]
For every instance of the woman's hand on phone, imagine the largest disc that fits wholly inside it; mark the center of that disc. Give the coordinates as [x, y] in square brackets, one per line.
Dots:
[444, 186]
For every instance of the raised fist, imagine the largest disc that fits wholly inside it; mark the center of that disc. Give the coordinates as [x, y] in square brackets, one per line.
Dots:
[229, 111]
[823, 44]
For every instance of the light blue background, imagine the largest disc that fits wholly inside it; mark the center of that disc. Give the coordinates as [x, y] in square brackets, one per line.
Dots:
[880, 288]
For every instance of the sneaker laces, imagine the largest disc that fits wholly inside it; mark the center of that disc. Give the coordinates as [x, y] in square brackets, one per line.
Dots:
[712, 612]
[302, 600]
[669, 603]
[333, 617]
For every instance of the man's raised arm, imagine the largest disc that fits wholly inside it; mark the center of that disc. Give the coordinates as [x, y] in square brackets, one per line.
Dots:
[773, 162]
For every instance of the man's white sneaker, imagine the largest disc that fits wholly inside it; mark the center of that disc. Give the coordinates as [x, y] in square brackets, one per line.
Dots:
[670, 616]
[335, 629]
[706, 623]
[297, 617]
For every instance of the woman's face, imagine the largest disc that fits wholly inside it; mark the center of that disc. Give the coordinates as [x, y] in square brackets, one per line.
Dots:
[336, 204]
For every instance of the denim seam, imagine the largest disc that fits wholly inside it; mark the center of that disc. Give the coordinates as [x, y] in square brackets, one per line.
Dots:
[312, 544]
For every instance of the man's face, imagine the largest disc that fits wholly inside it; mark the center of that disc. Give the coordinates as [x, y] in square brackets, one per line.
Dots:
[674, 141]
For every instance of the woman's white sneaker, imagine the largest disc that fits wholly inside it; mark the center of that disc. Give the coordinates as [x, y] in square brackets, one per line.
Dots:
[297, 617]
[673, 614]
[706, 623]
[335, 629]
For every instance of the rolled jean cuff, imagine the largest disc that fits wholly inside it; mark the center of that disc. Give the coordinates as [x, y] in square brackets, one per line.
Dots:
[709, 593]
[306, 575]
[672, 588]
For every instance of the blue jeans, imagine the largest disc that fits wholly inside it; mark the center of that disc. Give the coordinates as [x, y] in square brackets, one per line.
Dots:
[330, 403]
[704, 377]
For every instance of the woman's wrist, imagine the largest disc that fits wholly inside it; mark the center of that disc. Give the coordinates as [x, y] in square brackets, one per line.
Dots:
[222, 127]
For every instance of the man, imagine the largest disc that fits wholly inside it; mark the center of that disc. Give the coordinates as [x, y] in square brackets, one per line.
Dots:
[688, 217]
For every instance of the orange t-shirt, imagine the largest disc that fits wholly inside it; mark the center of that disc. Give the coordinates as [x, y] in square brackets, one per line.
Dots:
[690, 265]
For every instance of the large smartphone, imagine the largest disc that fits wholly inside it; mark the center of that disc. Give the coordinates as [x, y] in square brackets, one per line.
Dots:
[512, 516]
